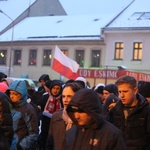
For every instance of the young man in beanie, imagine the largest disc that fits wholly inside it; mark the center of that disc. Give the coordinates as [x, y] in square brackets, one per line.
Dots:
[93, 132]
[132, 114]
[109, 88]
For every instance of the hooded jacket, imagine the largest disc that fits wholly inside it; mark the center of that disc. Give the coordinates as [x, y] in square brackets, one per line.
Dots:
[136, 128]
[98, 134]
[6, 124]
[25, 122]
[112, 98]
[49, 104]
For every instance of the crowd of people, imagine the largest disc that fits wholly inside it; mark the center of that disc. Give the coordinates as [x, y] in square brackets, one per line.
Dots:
[72, 115]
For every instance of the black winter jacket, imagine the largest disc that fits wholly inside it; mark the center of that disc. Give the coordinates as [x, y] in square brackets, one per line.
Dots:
[136, 128]
[6, 124]
[98, 134]
[57, 139]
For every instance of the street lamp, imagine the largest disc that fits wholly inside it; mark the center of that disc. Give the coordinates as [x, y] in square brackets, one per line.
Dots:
[11, 44]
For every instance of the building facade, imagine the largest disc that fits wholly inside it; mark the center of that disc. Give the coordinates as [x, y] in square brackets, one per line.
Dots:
[33, 58]
[100, 48]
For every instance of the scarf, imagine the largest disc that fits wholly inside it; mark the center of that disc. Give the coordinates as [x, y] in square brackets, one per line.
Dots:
[67, 120]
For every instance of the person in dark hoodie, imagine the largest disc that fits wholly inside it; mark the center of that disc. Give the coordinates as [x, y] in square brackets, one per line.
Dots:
[111, 101]
[6, 123]
[107, 90]
[25, 121]
[94, 132]
[50, 102]
[132, 114]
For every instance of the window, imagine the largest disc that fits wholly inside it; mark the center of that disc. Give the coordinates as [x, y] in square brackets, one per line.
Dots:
[32, 57]
[95, 58]
[3, 56]
[47, 56]
[140, 16]
[136, 16]
[146, 15]
[137, 51]
[17, 57]
[80, 57]
[119, 46]
[65, 52]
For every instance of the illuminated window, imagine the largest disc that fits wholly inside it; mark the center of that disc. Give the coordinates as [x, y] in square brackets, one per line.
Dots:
[95, 58]
[17, 57]
[137, 51]
[47, 57]
[32, 57]
[119, 46]
[80, 57]
[3, 56]
[65, 52]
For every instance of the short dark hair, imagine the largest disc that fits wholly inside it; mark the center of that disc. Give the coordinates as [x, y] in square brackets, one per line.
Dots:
[127, 79]
[74, 86]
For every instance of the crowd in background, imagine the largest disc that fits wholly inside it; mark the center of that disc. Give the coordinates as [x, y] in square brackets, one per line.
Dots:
[72, 115]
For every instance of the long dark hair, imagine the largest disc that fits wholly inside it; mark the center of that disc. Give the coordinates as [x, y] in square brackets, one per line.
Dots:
[74, 86]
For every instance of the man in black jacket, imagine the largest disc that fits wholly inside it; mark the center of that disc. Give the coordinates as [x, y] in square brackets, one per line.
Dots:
[93, 132]
[132, 114]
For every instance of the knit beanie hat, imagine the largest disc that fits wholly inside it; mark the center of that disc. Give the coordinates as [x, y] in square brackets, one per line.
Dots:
[99, 88]
[111, 88]
[56, 82]
[44, 77]
[81, 81]
[48, 84]
[3, 87]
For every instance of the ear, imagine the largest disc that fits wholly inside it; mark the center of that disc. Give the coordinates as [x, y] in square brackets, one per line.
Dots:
[135, 90]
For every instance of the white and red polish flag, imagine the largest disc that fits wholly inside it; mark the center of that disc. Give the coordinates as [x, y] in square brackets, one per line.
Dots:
[64, 65]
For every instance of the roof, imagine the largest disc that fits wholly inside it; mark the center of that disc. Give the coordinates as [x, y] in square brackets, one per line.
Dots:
[89, 7]
[133, 16]
[10, 8]
[58, 27]
[84, 20]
